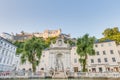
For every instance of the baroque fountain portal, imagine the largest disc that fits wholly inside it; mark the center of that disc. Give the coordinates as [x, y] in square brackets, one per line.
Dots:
[59, 58]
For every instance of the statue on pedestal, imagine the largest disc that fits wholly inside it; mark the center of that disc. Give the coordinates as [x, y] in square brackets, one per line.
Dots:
[59, 64]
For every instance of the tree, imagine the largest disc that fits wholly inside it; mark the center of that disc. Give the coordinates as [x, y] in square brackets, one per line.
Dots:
[85, 48]
[32, 51]
[110, 31]
[49, 40]
[107, 32]
[19, 47]
[72, 43]
[22, 32]
[111, 34]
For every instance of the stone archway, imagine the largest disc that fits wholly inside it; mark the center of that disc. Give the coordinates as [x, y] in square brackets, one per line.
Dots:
[59, 62]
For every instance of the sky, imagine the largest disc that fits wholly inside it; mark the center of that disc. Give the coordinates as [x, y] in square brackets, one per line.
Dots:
[75, 17]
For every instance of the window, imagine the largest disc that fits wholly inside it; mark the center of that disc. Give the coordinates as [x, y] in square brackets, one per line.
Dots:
[1, 42]
[43, 55]
[0, 48]
[6, 53]
[97, 53]
[23, 69]
[105, 59]
[8, 61]
[3, 52]
[104, 53]
[113, 59]
[92, 61]
[93, 69]
[101, 45]
[60, 42]
[99, 60]
[42, 61]
[100, 69]
[111, 51]
[42, 68]
[0, 59]
[5, 44]
[12, 60]
[30, 69]
[109, 44]
[4, 60]
[119, 52]
[75, 60]
[96, 45]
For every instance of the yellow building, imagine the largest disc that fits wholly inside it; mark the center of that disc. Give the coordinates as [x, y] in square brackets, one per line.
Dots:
[48, 33]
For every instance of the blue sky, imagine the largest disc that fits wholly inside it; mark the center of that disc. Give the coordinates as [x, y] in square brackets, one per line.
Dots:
[75, 17]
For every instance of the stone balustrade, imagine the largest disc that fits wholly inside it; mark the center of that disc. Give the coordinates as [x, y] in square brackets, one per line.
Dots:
[73, 75]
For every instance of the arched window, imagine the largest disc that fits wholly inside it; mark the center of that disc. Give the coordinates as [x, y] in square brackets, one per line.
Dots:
[60, 42]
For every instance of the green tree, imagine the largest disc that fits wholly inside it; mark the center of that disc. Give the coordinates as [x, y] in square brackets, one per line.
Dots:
[107, 32]
[19, 47]
[111, 34]
[115, 30]
[110, 31]
[49, 40]
[32, 50]
[85, 48]
[72, 43]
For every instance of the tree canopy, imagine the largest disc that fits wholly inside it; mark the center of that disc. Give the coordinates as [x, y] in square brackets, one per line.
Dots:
[85, 48]
[31, 50]
[19, 47]
[49, 40]
[111, 34]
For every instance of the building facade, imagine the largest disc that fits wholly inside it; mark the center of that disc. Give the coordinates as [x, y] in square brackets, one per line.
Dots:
[7, 55]
[24, 35]
[107, 58]
[6, 36]
[59, 57]
[62, 57]
[48, 33]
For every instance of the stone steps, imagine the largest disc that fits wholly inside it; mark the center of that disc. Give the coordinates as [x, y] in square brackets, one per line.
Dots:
[59, 75]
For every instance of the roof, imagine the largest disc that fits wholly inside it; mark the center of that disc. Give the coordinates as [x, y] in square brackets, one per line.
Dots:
[1, 38]
[6, 33]
[97, 41]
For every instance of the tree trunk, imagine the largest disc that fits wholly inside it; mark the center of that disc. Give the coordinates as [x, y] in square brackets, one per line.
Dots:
[34, 66]
[84, 64]
[34, 62]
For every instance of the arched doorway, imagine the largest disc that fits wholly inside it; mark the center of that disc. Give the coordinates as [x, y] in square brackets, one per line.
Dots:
[59, 62]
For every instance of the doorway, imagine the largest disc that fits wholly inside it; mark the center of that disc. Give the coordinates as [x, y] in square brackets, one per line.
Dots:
[75, 69]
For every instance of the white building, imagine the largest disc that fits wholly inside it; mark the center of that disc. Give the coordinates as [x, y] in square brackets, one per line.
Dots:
[7, 55]
[6, 36]
[59, 57]
[107, 58]
[62, 57]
